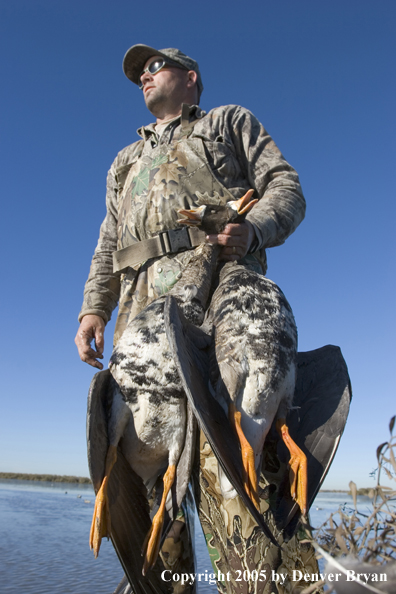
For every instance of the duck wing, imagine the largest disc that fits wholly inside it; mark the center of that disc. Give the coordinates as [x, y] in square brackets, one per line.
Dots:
[129, 509]
[100, 398]
[193, 366]
[317, 420]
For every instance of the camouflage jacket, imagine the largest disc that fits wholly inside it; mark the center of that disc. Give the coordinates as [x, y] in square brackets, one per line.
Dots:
[241, 155]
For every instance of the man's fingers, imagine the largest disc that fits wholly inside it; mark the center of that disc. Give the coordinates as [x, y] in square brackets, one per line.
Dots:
[226, 240]
[234, 246]
[232, 235]
[87, 352]
[99, 340]
[232, 254]
[88, 355]
[92, 361]
[236, 240]
[91, 328]
[91, 353]
[236, 229]
[83, 337]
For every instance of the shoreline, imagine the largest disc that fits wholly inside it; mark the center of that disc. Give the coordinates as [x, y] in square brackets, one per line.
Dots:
[50, 478]
[83, 480]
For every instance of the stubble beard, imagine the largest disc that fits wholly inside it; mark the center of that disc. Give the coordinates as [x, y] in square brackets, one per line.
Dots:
[154, 100]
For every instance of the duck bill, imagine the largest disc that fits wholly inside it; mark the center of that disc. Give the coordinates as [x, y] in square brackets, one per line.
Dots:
[194, 216]
[245, 203]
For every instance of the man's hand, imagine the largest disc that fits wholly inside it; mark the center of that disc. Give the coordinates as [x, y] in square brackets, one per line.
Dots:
[236, 239]
[91, 328]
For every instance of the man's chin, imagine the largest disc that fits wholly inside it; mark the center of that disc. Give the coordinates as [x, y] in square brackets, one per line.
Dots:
[152, 99]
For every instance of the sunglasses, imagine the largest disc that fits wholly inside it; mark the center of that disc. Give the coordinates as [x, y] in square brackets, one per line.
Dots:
[152, 68]
[155, 67]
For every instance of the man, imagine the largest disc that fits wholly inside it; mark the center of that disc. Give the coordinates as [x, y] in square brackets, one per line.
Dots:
[184, 154]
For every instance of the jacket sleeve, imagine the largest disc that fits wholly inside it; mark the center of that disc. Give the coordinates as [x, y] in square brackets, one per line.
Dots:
[281, 206]
[102, 288]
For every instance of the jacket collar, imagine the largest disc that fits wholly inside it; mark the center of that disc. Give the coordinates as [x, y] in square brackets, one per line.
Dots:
[148, 131]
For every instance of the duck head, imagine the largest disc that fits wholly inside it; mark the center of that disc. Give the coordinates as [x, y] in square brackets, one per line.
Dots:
[212, 218]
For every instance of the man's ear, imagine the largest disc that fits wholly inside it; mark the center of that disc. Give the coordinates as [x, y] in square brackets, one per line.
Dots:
[192, 78]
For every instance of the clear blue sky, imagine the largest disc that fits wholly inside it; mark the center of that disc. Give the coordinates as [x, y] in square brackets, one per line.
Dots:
[320, 77]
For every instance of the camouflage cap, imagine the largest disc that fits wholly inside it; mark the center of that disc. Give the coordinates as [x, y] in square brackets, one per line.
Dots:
[137, 56]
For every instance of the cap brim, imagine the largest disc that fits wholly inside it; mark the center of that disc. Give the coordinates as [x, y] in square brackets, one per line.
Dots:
[135, 59]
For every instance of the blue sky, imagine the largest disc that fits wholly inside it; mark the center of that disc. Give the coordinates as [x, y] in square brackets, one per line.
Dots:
[318, 75]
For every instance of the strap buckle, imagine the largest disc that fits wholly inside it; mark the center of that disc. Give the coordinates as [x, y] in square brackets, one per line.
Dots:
[176, 240]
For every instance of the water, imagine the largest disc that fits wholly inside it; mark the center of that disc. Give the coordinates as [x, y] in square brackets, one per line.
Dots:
[44, 540]
[44, 531]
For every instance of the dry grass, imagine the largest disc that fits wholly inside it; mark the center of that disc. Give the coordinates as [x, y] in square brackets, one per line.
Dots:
[369, 536]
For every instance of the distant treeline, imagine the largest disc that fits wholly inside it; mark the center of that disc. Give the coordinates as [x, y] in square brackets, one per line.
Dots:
[363, 491]
[56, 478]
[52, 478]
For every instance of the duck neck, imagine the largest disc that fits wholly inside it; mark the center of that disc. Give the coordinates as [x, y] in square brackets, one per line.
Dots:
[199, 272]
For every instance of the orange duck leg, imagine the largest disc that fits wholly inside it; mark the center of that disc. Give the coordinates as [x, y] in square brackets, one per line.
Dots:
[298, 467]
[101, 526]
[151, 544]
[248, 458]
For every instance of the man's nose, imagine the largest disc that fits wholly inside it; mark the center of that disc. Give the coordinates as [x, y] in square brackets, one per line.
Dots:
[146, 76]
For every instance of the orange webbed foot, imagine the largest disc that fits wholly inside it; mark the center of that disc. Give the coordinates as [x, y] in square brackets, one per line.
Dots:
[101, 524]
[151, 545]
[248, 457]
[298, 466]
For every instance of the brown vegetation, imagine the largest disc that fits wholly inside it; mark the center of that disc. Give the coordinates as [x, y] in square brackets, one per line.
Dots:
[371, 536]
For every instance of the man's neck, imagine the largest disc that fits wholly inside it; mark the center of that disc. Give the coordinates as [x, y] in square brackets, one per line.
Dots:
[166, 119]
[165, 113]
[166, 116]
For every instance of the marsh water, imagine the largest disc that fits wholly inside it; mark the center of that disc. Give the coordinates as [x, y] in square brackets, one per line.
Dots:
[44, 548]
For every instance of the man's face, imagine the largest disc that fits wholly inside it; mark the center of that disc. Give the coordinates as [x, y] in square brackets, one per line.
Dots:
[169, 84]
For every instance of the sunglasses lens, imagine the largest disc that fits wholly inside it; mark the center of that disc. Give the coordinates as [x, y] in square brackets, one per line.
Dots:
[153, 68]
[156, 66]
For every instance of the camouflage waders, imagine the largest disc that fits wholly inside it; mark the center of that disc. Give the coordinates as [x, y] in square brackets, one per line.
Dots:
[236, 544]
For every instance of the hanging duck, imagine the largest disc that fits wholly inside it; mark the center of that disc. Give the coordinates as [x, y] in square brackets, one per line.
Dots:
[255, 340]
[253, 362]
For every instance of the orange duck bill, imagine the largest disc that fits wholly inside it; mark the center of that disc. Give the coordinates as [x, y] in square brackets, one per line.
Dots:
[244, 204]
[194, 216]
